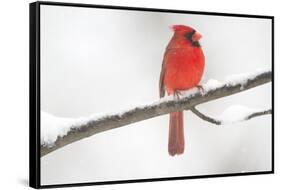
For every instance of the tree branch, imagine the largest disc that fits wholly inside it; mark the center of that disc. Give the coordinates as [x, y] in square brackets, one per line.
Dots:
[164, 106]
[220, 122]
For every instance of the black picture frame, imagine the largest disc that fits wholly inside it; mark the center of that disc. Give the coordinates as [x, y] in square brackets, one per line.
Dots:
[34, 92]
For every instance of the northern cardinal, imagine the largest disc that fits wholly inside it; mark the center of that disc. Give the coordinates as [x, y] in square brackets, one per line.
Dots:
[182, 69]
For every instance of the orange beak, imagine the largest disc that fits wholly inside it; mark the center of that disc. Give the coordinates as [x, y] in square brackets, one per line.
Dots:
[197, 36]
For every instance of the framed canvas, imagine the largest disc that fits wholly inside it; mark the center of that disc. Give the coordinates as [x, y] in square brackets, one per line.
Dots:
[126, 94]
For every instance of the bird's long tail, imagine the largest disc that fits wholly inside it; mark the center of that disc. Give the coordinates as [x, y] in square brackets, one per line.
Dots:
[176, 133]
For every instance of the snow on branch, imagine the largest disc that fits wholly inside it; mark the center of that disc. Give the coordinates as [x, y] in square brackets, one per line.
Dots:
[233, 114]
[61, 132]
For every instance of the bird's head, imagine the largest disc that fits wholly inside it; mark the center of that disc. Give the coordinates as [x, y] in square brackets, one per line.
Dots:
[190, 34]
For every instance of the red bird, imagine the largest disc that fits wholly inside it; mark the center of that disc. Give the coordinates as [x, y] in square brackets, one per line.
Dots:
[182, 69]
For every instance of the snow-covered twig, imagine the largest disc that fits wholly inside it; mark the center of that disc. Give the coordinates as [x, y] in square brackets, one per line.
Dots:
[222, 121]
[213, 90]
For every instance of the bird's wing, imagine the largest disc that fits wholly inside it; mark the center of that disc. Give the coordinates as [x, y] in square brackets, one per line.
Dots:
[162, 76]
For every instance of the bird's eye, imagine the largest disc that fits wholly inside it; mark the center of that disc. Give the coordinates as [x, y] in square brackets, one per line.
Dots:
[189, 35]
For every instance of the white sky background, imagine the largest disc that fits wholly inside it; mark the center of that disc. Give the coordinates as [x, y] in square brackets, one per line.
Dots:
[98, 60]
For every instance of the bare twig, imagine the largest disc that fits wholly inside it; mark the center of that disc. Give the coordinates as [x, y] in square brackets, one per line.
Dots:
[256, 114]
[220, 122]
[161, 107]
[205, 117]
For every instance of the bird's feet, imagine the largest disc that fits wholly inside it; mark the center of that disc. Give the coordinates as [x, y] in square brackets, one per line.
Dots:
[177, 94]
[201, 89]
